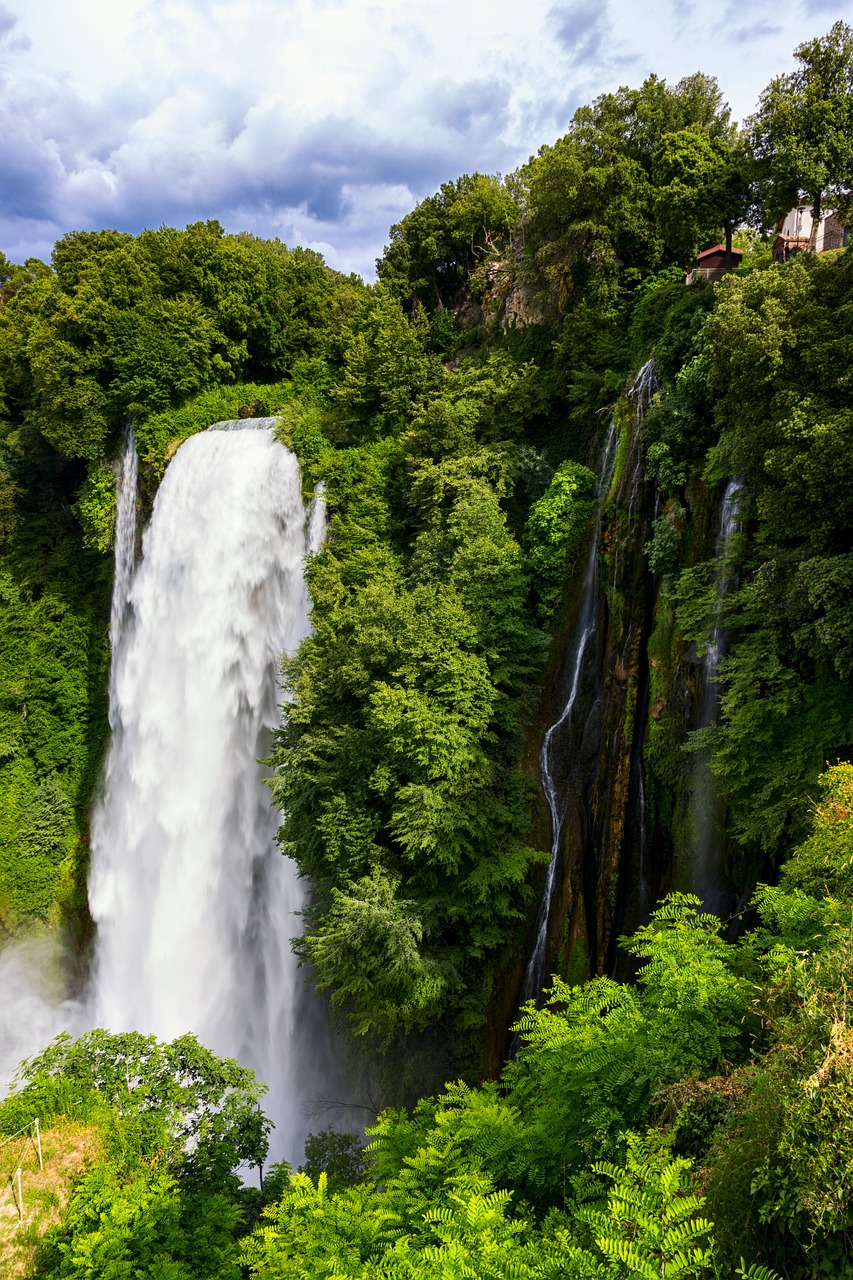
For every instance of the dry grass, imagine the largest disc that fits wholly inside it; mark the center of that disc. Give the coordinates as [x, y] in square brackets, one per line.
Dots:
[838, 1058]
[669, 1102]
[68, 1149]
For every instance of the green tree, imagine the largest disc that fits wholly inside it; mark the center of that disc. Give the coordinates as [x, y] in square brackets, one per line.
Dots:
[434, 250]
[176, 1101]
[593, 203]
[782, 1159]
[367, 950]
[143, 1225]
[702, 182]
[339, 1155]
[556, 529]
[168, 1126]
[386, 369]
[803, 130]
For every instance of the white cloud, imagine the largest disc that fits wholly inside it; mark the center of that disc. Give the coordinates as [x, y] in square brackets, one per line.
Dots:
[322, 121]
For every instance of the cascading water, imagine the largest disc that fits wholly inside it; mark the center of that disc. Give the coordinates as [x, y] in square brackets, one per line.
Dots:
[559, 734]
[707, 837]
[193, 904]
[729, 524]
[642, 389]
[125, 537]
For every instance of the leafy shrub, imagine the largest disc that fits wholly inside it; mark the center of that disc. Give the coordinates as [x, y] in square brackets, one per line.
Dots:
[96, 508]
[556, 529]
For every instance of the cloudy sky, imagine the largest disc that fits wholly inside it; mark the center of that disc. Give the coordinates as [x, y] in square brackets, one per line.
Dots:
[323, 121]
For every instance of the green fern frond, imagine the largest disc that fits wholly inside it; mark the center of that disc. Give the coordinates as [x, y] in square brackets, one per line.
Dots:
[626, 1252]
[755, 1272]
[684, 1233]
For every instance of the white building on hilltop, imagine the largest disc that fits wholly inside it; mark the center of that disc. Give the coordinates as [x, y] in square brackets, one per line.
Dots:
[796, 231]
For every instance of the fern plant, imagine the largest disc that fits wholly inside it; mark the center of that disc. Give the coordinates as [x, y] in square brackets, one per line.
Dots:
[755, 1272]
[651, 1227]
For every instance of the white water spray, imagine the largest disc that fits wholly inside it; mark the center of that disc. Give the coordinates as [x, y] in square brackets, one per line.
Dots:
[125, 537]
[642, 389]
[193, 903]
[729, 524]
[555, 736]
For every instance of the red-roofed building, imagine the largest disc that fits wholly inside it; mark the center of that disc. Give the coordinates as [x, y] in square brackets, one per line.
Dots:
[711, 264]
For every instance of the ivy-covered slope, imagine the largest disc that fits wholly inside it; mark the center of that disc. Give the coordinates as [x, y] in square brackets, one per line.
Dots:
[759, 391]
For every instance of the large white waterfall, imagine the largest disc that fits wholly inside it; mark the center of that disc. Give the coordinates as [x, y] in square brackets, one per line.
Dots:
[192, 901]
[194, 905]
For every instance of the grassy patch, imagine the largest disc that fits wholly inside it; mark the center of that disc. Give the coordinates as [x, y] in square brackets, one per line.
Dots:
[69, 1148]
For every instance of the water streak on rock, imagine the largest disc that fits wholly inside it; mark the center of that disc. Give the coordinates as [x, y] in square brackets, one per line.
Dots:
[559, 732]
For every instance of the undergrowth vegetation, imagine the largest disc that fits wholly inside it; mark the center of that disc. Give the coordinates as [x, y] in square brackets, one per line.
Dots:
[671, 1128]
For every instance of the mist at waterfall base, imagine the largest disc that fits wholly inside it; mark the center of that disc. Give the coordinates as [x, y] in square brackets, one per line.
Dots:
[193, 904]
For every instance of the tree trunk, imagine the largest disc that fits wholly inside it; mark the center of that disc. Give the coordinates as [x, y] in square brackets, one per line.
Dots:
[728, 227]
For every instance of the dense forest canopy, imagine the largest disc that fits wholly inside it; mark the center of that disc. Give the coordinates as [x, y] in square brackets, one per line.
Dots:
[455, 411]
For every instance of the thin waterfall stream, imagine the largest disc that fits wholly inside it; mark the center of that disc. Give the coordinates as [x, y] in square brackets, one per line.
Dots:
[556, 736]
[125, 537]
[707, 836]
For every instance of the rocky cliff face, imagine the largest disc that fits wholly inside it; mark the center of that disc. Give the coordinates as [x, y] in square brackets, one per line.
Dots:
[603, 833]
[623, 773]
[501, 291]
